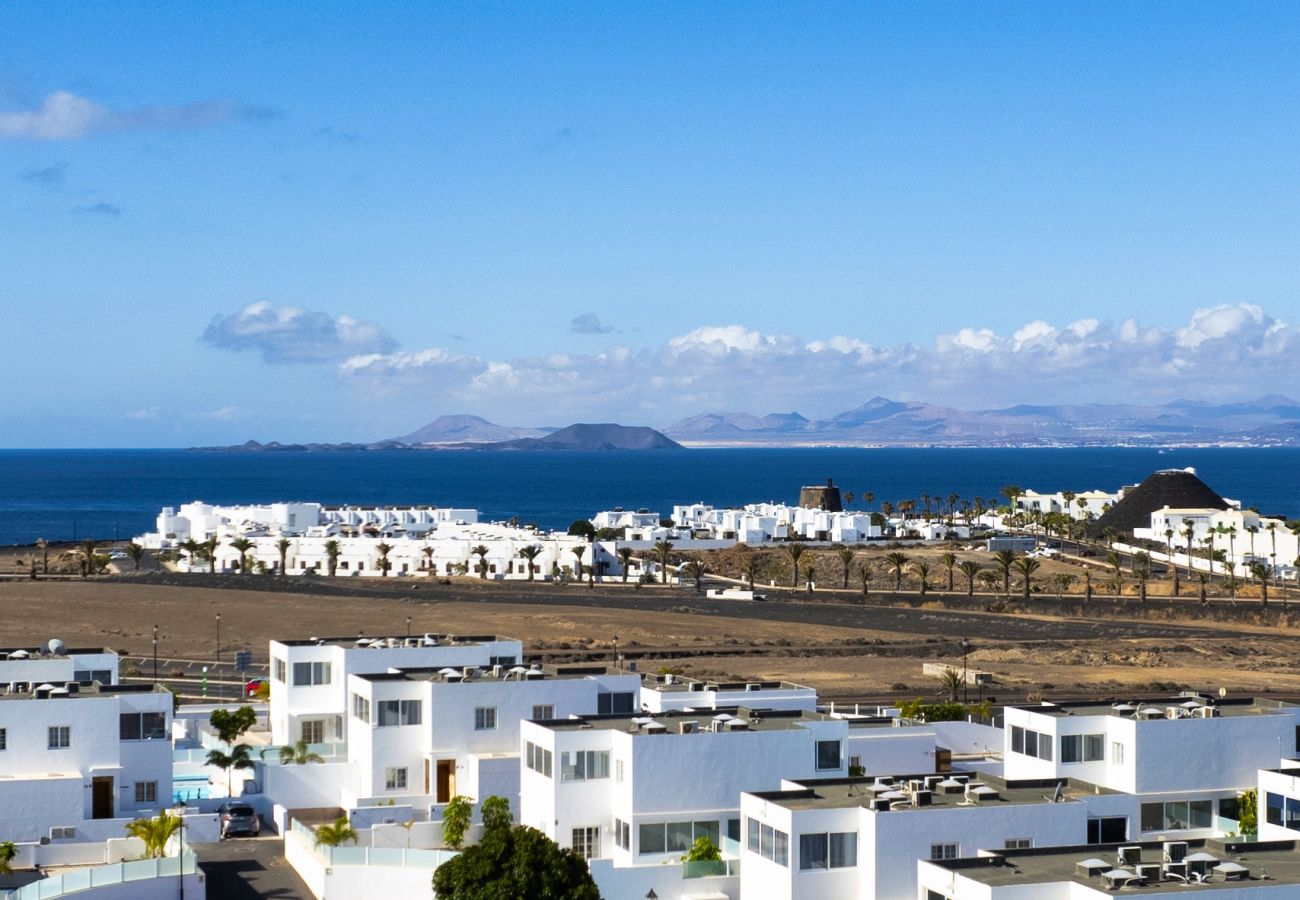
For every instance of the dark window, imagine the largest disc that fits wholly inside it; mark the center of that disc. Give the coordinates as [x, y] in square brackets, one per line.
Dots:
[1108, 830]
[828, 754]
[813, 851]
[1292, 814]
[1273, 809]
[614, 703]
[1230, 808]
[733, 829]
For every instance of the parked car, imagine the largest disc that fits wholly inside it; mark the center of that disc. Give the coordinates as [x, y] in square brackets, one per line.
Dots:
[238, 818]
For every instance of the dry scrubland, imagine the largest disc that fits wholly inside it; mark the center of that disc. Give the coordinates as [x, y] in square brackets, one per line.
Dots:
[832, 641]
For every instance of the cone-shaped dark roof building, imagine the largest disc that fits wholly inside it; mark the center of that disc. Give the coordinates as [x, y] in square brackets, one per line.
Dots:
[1174, 488]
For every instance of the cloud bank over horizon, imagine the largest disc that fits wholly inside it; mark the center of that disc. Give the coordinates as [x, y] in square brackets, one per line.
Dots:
[64, 116]
[1226, 352]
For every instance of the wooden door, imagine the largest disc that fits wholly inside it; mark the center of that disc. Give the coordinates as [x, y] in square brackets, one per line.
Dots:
[446, 780]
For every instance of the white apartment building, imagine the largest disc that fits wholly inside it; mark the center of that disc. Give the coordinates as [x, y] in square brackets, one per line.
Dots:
[56, 664]
[74, 753]
[660, 693]
[1082, 505]
[422, 736]
[200, 521]
[309, 678]
[759, 523]
[1242, 535]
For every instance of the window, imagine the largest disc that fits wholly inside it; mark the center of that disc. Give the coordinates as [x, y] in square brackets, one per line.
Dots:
[1177, 815]
[618, 771]
[837, 850]
[311, 673]
[4, 738]
[399, 712]
[828, 755]
[394, 779]
[675, 837]
[1031, 743]
[537, 758]
[1077, 748]
[1018, 843]
[85, 676]
[146, 792]
[485, 718]
[1292, 818]
[361, 708]
[1273, 809]
[614, 702]
[622, 834]
[768, 842]
[313, 731]
[586, 842]
[1117, 753]
[584, 765]
[943, 851]
[733, 830]
[501, 661]
[60, 737]
[142, 726]
[1230, 808]
[278, 669]
[1108, 830]
[544, 711]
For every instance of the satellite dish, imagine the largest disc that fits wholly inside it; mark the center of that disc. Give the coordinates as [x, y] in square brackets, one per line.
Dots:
[1223, 692]
[56, 646]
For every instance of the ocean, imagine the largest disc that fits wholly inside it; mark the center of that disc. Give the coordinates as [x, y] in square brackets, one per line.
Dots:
[70, 494]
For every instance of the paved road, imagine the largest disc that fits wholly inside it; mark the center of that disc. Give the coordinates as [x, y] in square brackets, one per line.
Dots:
[249, 868]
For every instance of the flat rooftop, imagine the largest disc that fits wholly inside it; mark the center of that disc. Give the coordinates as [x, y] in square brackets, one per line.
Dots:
[395, 641]
[1157, 708]
[684, 684]
[948, 789]
[508, 674]
[7, 653]
[63, 690]
[1266, 863]
[722, 719]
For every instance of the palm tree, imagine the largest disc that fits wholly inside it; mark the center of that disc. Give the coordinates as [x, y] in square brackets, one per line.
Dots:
[950, 683]
[922, 571]
[846, 555]
[969, 568]
[1189, 530]
[242, 545]
[1261, 572]
[696, 570]
[1063, 581]
[577, 556]
[283, 545]
[44, 547]
[1025, 567]
[1203, 578]
[795, 552]
[88, 559]
[155, 833]
[332, 552]
[1003, 560]
[624, 559]
[427, 552]
[1142, 572]
[1272, 533]
[1169, 549]
[338, 832]
[864, 572]
[192, 549]
[239, 757]
[300, 754]
[136, 552]
[663, 550]
[949, 562]
[750, 568]
[1087, 585]
[530, 554]
[1252, 530]
[868, 498]
[848, 499]
[384, 565]
[481, 551]
[210, 554]
[897, 561]
[1013, 493]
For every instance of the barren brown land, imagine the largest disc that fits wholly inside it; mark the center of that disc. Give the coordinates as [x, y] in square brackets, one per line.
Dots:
[848, 646]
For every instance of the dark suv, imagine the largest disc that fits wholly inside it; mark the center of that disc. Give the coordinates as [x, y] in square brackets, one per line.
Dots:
[238, 818]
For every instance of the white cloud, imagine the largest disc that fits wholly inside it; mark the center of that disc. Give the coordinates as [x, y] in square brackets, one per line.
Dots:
[288, 334]
[64, 116]
[1222, 353]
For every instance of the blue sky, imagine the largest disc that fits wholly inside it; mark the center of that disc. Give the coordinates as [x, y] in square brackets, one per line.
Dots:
[334, 222]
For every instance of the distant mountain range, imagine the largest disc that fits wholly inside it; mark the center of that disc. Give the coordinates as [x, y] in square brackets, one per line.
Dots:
[1272, 419]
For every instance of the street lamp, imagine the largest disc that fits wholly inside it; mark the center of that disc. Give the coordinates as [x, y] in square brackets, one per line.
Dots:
[408, 626]
[155, 654]
[965, 682]
[218, 665]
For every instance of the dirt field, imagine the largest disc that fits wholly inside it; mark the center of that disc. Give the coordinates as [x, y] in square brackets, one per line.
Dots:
[846, 651]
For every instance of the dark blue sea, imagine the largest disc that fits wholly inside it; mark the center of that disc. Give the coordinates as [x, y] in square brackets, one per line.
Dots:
[67, 494]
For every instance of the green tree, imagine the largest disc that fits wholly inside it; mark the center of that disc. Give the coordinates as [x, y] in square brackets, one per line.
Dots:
[242, 545]
[1261, 572]
[751, 568]
[624, 555]
[7, 853]
[795, 552]
[340, 831]
[230, 726]
[864, 573]
[333, 550]
[696, 570]
[969, 569]
[210, 554]
[582, 528]
[922, 572]
[949, 562]
[663, 550]
[383, 549]
[155, 833]
[456, 821]
[513, 862]
[896, 562]
[703, 850]
[239, 757]
[950, 683]
[299, 754]
[136, 552]
[283, 545]
[1003, 560]
[496, 813]
[530, 554]
[1248, 812]
[1025, 567]
[1142, 572]
[89, 559]
[846, 556]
